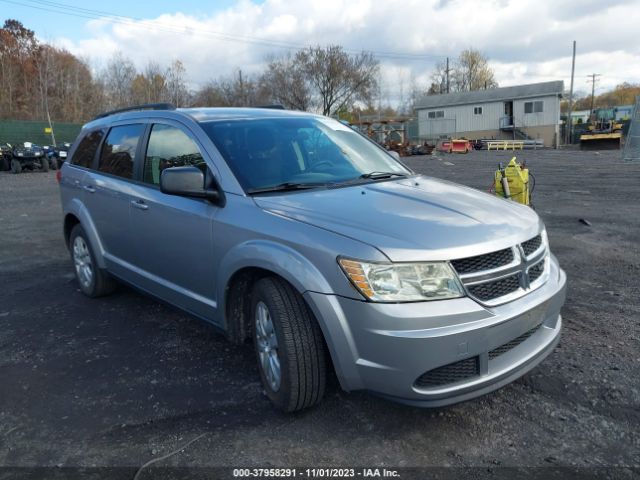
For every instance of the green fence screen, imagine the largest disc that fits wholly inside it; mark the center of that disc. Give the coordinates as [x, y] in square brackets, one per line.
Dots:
[13, 131]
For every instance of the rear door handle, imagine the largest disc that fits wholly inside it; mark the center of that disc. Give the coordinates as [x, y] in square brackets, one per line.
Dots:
[89, 189]
[139, 204]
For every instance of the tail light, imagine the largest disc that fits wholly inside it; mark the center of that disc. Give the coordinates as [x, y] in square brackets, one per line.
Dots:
[59, 175]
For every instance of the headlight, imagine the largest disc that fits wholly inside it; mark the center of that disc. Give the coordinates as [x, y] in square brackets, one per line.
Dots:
[403, 282]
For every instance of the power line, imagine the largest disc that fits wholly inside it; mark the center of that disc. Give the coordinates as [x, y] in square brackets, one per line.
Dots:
[80, 12]
[593, 77]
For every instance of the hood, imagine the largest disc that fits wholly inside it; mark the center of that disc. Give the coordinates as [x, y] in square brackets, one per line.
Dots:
[413, 219]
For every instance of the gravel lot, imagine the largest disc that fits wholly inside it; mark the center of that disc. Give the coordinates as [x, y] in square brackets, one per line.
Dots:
[122, 380]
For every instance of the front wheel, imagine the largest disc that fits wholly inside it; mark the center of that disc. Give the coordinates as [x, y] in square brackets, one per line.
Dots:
[44, 164]
[16, 166]
[289, 346]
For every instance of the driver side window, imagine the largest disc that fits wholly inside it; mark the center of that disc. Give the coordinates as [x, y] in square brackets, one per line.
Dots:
[169, 147]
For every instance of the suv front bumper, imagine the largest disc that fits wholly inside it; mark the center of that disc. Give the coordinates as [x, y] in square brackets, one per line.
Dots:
[386, 348]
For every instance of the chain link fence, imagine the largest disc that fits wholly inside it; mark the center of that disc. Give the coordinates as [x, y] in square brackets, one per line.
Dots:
[436, 128]
[632, 143]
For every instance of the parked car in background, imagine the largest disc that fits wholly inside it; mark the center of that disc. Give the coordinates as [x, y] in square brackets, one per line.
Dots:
[292, 230]
[58, 155]
[5, 157]
[29, 156]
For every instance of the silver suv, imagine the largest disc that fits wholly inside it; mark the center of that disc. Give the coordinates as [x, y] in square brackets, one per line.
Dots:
[294, 231]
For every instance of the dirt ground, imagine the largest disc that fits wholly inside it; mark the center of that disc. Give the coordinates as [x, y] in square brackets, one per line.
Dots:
[123, 380]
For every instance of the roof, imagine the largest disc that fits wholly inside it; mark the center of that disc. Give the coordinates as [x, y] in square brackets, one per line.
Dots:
[238, 113]
[197, 114]
[492, 95]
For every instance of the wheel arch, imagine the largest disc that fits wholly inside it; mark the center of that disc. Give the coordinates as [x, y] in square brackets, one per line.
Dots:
[250, 261]
[76, 213]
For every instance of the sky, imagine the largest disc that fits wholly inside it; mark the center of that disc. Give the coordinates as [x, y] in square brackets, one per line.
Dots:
[526, 41]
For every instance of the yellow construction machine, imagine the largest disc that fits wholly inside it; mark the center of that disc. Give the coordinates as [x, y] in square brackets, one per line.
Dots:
[603, 132]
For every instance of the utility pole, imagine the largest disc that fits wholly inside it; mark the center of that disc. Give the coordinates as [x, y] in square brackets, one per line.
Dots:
[570, 120]
[447, 73]
[593, 88]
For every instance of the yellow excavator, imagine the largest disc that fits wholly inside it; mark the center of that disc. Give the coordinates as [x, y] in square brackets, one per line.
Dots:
[603, 132]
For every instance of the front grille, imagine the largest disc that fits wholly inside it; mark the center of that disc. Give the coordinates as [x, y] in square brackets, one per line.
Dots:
[495, 289]
[485, 268]
[496, 352]
[483, 262]
[454, 372]
[530, 246]
[536, 271]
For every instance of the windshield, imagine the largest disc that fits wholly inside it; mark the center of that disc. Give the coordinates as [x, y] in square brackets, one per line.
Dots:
[300, 151]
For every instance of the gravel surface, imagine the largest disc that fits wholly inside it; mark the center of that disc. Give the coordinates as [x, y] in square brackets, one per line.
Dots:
[122, 380]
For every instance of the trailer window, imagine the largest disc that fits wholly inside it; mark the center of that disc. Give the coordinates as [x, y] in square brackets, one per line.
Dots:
[533, 107]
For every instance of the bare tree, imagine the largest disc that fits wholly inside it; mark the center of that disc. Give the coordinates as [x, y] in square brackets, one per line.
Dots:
[156, 83]
[118, 78]
[472, 72]
[439, 79]
[176, 84]
[337, 78]
[286, 82]
[238, 90]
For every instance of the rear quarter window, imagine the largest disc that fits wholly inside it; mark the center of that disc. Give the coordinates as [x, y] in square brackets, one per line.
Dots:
[86, 151]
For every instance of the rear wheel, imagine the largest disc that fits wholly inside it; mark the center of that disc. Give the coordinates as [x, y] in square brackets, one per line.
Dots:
[16, 166]
[93, 281]
[289, 346]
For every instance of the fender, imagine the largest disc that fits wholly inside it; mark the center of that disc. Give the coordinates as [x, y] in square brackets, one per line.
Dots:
[79, 210]
[309, 282]
[276, 257]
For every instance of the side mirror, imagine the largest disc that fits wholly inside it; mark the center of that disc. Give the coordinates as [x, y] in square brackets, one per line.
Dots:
[188, 182]
[394, 154]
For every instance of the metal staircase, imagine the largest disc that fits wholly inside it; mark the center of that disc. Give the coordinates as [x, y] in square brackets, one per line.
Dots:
[508, 124]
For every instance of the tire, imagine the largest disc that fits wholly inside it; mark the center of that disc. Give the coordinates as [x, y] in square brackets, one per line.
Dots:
[299, 346]
[93, 281]
[53, 162]
[44, 164]
[16, 166]
[4, 164]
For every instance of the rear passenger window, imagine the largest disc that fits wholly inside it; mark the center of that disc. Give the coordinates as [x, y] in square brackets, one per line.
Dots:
[119, 150]
[169, 147]
[86, 151]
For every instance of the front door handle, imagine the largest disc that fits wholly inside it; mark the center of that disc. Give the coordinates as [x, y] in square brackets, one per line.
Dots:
[139, 204]
[89, 188]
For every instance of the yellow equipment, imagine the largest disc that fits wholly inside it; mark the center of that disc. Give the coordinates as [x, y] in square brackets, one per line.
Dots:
[512, 182]
[603, 133]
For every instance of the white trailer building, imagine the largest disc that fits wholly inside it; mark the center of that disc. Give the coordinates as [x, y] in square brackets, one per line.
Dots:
[522, 111]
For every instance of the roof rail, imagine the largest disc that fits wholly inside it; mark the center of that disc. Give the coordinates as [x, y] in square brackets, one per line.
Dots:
[146, 106]
[275, 106]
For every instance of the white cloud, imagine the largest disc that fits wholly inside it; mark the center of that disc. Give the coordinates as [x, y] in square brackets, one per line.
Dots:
[526, 40]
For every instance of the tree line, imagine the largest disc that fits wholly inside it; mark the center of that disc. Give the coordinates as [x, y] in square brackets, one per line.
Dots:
[622, 94]
[38, 80]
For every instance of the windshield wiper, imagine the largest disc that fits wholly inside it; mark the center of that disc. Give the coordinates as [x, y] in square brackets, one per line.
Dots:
[379, 175]
[287, 186]
[370, 176]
